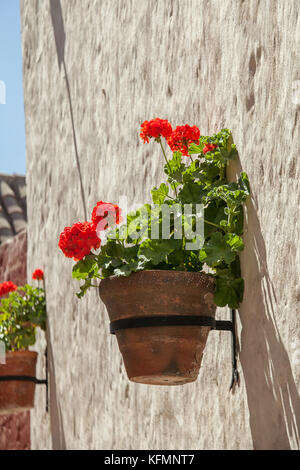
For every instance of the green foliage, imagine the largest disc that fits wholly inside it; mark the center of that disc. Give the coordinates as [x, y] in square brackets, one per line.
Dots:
[219, 247]
[159, 195]
[157, 251]
[20, 313]
[229, 289]
[85, 268]
[175, 168]
[198, 180]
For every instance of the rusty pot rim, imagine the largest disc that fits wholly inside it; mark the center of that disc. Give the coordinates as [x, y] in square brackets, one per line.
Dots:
[22, 352]
[149, 275]
[163, 272]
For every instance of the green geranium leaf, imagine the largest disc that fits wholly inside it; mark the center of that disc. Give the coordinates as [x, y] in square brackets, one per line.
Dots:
[127, 269]
[195, 149]
[175, 168]
[208, 172]
[225, 156]
[138, 224]
[156, 251]
[235, 267]
[83, 289]
[216, 250]
[111, 263]
[160, 194]
[234, 241]
[229, 292]
[130, 253]
[113, 249]
[192, 192]
[84, 267]
[215, 214]
[229, 193]
[124, 270]
[244, 183]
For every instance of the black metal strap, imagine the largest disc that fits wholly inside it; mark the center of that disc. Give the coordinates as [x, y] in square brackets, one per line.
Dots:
[224, 325]
[235, 380]
[22, 378]
[47, 381]
[168, 320]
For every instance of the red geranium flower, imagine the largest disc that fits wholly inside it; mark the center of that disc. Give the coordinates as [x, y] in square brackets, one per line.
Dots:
[182, 137]
[209, 148]
[38, 274]
[101, 214]
[6, 287]
[155, 128]
[77, 241]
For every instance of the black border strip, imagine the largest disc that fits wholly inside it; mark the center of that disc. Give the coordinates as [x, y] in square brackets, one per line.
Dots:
[21, 378]
[169, 320]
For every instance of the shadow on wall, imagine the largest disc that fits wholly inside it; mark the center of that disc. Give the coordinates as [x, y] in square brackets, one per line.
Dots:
[60, 39]
[56, 422]
[57, 429]
[273, 400]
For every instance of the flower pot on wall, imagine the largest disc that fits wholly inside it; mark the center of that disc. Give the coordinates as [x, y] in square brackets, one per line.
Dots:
[160, 355]
[17, 395]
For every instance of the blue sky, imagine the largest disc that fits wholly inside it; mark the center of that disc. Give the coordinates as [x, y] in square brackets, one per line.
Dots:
[12, 127]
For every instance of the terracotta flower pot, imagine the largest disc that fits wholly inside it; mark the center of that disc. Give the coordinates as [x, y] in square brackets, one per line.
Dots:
[17, 396]
[160, 355]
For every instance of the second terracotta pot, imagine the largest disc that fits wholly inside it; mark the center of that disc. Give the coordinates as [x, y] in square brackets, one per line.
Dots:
[168, 355]
[16, 395]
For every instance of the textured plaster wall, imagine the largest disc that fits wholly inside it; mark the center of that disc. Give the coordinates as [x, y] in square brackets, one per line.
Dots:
[93, 71]
[15, 431]
[13, 259]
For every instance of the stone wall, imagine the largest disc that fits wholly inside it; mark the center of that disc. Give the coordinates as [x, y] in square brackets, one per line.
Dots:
[15, 431]
[93, 71]
[13, 259]
[15, 428]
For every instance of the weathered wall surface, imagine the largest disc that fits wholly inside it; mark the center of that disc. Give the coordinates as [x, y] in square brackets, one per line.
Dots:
[13, 259]
[14, 428]
[15, 431]
[93, 71]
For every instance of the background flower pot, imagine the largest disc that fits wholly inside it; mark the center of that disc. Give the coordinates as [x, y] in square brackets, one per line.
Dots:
[168, 355]
[17, 396]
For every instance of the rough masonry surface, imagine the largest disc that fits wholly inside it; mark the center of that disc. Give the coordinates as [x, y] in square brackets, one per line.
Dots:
[93, 71]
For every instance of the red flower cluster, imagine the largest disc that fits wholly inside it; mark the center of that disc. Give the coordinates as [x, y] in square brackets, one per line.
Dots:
[103, 213]
[38, 274]
[155, 128]
[209, 148]
[77, 241]
[7, 287]
[182, 137]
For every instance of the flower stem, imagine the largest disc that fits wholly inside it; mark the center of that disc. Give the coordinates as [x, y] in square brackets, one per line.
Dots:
[215, 225]
[223, 172]
[121, 242]
[164, 153]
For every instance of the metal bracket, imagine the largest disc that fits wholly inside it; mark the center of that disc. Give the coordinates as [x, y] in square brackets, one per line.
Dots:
[28, 378]
[186, 320]
[231, 326]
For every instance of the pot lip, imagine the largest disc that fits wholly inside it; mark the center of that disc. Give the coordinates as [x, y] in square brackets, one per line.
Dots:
[22, 352]
[163, 272]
